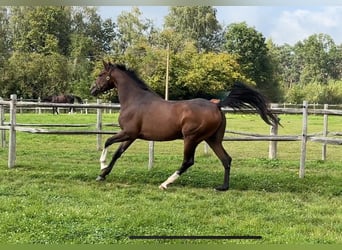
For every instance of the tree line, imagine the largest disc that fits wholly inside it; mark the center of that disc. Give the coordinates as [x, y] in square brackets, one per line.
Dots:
[52, 50]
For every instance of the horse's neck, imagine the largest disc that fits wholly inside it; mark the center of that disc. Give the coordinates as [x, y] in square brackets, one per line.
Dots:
[129, 93]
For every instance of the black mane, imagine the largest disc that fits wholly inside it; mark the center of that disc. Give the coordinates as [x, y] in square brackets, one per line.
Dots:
[134, 76]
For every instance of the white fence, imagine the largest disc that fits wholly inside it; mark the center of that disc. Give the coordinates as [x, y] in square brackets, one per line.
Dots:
[273, 138]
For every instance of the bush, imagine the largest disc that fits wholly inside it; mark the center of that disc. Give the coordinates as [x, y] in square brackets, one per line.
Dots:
[332, 93]
[316, 93]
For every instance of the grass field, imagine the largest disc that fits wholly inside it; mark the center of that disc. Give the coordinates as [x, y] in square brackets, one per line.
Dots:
[51, 196]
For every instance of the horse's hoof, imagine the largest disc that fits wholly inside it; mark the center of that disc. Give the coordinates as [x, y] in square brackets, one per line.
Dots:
[222, 188]
[100, 178]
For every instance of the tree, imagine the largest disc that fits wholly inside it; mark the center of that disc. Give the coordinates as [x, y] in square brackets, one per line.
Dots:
[133, 32]
[212, 74]
[41, 29]
[86, 22]
[169, 38]
[80, 64]
[320, 57]
[4, 47]
[250, 47]
[4, 35]
[194, 74]
[38, 64]
[289, 65]
[91, 39]
[197, 23]
[42, 75]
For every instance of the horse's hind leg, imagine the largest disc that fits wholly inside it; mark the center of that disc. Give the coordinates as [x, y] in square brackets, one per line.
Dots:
[216, 146]
[54, 110]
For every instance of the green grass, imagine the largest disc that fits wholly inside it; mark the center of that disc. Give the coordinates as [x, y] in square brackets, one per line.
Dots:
[51, 196]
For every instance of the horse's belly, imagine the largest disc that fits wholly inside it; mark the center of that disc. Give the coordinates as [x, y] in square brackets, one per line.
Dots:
[160, 131]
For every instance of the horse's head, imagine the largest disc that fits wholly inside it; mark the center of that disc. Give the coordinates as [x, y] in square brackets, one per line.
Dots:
[105, 81]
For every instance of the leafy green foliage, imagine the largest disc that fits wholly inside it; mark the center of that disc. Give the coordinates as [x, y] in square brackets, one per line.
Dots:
[41, 29]
[250, 47]
[316, 52]
[51, 50]
[210, 73]
[196, 23]
[316, 93]
[42, 74]
[133, 31]
[311, 66]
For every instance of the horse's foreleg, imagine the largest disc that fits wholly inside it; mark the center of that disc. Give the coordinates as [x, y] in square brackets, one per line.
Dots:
[188, 161]
[116, 138]
[103, 158]
[126, 142]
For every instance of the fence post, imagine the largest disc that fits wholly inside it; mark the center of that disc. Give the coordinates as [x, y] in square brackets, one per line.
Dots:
[12, 132]
[39, 108]
[325, 133]
[2, 121]
[99, 126]
[150, 154]
[21, 108]
[86, 102]
[272, 148]
[304, 140]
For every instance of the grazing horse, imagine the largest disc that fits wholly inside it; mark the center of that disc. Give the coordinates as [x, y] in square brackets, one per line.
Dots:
[147, 116]
[62, 99]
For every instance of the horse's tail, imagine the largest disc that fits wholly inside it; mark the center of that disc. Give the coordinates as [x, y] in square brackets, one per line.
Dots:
[242, 96]
[79, 99]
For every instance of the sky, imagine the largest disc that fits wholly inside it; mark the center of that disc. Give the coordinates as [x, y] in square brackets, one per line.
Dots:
[282, 24]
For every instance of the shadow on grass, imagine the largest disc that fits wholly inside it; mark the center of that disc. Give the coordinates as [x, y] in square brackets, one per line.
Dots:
[242, 179]
[269, 181]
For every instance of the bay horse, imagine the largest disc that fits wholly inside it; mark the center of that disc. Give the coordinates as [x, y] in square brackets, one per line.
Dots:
[62, 99]
[145, 115]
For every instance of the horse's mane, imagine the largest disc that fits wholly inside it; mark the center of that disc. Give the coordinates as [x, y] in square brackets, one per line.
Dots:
[134, 76]
[47, 98]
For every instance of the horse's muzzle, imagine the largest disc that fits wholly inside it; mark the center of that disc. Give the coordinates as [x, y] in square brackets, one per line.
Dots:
[94, 91]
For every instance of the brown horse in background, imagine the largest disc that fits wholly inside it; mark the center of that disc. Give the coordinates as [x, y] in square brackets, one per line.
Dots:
[62, 99]
[145, 115]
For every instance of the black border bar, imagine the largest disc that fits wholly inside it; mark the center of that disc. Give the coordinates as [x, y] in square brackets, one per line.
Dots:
[194, 237]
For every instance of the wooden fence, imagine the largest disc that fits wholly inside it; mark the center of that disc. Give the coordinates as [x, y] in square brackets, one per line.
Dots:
[273, 138]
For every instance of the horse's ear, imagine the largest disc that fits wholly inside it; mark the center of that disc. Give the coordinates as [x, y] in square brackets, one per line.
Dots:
[105, 65]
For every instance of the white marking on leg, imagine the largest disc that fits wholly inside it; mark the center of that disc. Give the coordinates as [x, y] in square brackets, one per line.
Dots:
[169, 180]
[103, 158]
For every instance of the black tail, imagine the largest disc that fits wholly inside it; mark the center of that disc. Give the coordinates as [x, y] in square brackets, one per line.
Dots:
[79, 99]
[242, 96]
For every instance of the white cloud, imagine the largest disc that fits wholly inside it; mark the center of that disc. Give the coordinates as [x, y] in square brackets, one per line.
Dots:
[286, 24]
[296, 25]
[282, 24]
[254, 16]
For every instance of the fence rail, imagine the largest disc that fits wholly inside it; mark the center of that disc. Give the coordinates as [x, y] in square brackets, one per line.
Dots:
[273, 138]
